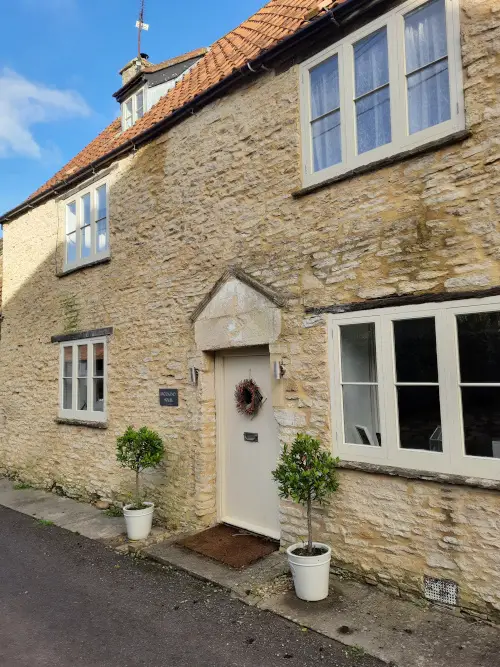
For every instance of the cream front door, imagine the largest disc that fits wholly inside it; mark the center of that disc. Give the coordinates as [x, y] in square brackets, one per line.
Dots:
[248, 447]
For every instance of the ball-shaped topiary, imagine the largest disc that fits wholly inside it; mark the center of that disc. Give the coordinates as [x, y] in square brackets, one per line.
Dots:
[139, 450]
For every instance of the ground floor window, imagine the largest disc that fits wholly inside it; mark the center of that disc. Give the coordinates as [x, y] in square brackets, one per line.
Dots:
[83, 380]
[419, 386]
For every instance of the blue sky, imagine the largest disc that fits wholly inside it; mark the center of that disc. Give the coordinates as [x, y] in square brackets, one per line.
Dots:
[59, 62]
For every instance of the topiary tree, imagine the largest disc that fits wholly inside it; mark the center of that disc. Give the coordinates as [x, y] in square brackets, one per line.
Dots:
[306, 474]
[138, 450]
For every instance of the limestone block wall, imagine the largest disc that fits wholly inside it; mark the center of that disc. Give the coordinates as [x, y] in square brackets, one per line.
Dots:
[216, 191]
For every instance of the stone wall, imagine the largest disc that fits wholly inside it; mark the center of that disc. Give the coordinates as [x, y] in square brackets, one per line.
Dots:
[215, 192]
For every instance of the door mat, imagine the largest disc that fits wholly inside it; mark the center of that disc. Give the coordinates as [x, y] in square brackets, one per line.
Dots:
[231, 546]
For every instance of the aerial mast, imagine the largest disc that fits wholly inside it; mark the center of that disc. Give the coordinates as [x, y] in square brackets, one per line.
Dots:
[141, 26]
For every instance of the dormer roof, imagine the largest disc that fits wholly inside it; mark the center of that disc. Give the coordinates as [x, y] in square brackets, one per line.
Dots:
[152, 74]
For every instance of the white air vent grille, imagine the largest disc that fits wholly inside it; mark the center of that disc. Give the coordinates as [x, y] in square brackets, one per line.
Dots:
[441, 590]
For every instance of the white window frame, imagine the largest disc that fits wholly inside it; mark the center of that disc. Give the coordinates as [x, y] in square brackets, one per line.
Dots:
[89, 415]
[133, 99]
[453, 459]
[402, 141]
[77, 198]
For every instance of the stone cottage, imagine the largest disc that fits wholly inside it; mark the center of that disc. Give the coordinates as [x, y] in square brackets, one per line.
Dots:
[315, 205]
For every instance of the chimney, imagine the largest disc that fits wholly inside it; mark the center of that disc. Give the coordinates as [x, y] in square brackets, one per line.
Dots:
[134, 67]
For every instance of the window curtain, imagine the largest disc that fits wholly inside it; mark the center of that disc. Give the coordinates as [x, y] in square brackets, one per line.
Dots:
[428, 88]
[373, 113]
[325, 114]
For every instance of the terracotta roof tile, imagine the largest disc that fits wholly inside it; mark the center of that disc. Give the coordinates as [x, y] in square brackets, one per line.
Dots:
[274, 22]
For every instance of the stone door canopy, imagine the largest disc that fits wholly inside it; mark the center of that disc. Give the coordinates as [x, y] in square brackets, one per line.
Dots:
[237, 312]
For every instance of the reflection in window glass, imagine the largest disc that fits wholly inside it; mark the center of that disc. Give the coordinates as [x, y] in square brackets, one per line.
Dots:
[99, 394]
[139, 104]
[481, 419]
[67, 393]
[82, 377]
[479, 352]
[325, 114]
[419, 411]
[68, 362]
[359, 362]
[415, 349]
[71, 232]
[373, 109]
[102, 222]
[419, 418]
[99, 377]
[359, 385]
[479, 347]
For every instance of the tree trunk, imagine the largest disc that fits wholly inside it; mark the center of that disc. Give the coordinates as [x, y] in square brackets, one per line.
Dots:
[309, 526]
[137, 490]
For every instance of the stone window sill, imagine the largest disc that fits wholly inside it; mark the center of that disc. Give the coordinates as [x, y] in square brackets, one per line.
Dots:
[455, 138]
[97, 262]
[439, 478]
[77, 422]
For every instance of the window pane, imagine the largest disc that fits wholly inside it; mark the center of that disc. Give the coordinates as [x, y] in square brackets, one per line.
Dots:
[361, 415]
[86, 241]
[325, 94]
[429, 97]
[371, 62]
[481, 415]
[71, 247]
[85, 219]
[373, 115]
[139, 104]
[82, 394]
[359, 362]
[68, 362]
[67, 393]
[101, 202]
[102, 236]
[479, 347]
[99, 359]
[327, 148]
[71, 217]
[425, 35]
[415, 349]
[82, 361]
[127, 113]
[99, 394]
[419, 418]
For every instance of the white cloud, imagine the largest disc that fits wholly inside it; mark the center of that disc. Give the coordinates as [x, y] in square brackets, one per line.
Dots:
[24, 104]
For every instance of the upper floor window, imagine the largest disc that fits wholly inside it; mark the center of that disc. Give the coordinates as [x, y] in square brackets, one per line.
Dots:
[82, 380]
[418, 387]
[133, 108]
[389, 87]
[87, 233]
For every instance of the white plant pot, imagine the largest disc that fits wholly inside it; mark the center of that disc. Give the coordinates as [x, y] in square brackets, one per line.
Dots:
[138, 522]
[311, 574]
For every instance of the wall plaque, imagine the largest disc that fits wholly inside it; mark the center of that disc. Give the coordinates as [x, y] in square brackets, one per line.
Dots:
[169, 397]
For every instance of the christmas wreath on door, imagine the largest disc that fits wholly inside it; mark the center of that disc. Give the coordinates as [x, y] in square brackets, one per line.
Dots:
[248, 397]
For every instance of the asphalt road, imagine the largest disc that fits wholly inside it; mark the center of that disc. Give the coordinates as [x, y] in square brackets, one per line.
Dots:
[66, 601]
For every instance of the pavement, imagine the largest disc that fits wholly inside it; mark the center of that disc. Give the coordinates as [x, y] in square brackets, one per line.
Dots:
[367, 621]
[66, 600]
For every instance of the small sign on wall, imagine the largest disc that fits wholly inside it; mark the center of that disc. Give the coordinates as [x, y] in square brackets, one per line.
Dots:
[169, 398]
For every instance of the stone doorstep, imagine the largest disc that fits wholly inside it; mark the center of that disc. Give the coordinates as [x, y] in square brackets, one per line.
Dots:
[397, 631]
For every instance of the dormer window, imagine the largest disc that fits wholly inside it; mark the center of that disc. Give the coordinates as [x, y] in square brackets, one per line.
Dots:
[133, 108]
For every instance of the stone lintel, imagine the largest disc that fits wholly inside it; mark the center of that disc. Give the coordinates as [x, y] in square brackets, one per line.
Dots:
[82, 335]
